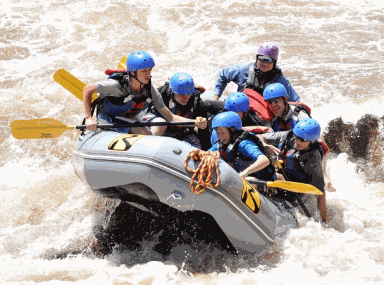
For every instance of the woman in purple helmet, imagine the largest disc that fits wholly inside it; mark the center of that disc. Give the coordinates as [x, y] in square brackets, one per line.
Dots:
[256, 75]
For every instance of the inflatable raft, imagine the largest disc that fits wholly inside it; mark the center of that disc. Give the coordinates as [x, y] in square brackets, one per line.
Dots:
[114, 164]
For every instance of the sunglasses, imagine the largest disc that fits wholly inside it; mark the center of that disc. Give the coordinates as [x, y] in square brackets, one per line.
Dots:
[276, 100]
[301, 139]
[189, 94]
[266, 60]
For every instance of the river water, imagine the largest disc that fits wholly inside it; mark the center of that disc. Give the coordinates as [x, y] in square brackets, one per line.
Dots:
[332, 52]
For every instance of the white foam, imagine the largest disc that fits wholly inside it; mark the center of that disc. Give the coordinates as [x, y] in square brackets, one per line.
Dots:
[21, 173]
[332, 52]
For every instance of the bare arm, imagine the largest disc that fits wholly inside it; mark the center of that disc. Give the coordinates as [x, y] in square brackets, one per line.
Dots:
[261, 162]
[270, 150]
[328, 184]
[167, 114]
[87, 98]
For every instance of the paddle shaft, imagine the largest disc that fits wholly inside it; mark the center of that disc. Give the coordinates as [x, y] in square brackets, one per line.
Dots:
[287, 185]
[112, 126]
[298, 198]
[52, 128]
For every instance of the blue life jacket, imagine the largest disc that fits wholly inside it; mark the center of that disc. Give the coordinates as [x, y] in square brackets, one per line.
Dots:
[126, 106]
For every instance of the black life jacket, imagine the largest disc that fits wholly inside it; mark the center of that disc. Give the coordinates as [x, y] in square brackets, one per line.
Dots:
[288, 145]
[188, 111]
[254, 75]
[232, 153]
[252, 119]
[177, 108]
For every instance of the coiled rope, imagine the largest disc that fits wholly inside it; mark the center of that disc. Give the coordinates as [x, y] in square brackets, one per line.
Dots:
[204, 172]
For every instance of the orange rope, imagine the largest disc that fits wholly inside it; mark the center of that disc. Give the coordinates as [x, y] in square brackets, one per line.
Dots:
[204, 172]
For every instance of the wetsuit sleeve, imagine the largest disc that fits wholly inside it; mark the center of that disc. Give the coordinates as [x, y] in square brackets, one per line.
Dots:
[204, 135]
[163, 90]
[214, 107]
[276, 139]
[157, 99]
[249, 149]
[110, 87]
[233, 73]
[292, 94]
[312, 166]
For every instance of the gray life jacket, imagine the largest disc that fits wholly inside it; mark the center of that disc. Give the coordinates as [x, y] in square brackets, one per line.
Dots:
[254, 76]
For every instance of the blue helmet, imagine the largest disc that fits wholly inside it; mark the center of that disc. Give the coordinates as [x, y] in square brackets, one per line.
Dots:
[308, 129]
[227, 119]
[237, 102]
[182, 83]
[275, 90]
[214, 137]
[139, 60]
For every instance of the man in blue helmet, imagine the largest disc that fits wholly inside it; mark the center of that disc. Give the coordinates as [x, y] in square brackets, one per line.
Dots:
[302, 154]
[255, 75]
[239, 102]
[182, 97]
[128, 96]
[242, 150]
[286, 114]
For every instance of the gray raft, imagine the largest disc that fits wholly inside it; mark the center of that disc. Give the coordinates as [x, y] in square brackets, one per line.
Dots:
[108, 160]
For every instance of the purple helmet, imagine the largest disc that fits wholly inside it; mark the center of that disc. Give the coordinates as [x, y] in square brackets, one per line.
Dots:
[269, 49]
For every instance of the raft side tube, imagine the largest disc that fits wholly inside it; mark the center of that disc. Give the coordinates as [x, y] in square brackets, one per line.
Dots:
[158, 163]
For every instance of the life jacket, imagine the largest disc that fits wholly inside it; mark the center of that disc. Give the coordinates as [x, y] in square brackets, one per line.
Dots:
[294, 166]
[187, 111]
[254, 74]
[127, 106]
[256, 129]
[282, 125]
[232, 155]
[111, 71]
[172, 105]
[258, 105]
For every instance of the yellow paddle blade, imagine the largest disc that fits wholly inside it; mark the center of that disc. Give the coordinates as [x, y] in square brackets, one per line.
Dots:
[123, 63]
[38, 128]
[295, 187]
[71, 83]
[278, 163]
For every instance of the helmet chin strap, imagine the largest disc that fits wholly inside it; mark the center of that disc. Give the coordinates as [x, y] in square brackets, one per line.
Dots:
[137, 79]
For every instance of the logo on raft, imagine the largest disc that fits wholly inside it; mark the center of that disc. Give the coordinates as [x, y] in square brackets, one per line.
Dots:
[250, 197]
